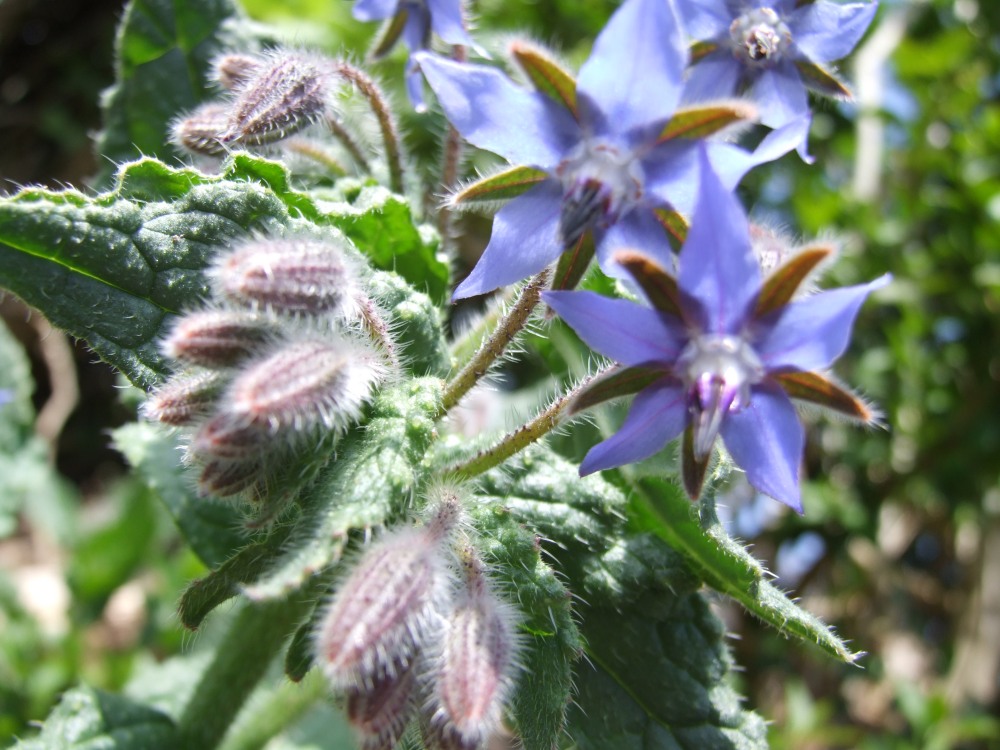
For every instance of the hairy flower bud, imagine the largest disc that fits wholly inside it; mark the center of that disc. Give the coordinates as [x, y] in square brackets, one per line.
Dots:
[387, 608]
[233, 71]
[216, 338]
[230, 438]
[202, 130]
[284, 94]
[474, 671]
[380, 712]
[299, 275]
[303, 385]
[184, 399]
[224, 478]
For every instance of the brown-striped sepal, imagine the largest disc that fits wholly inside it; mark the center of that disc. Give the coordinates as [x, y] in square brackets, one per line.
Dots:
[658, 285]
[820, 390]
[615, 383]
[545, 74]
[693, 469]
[500, 186]
[779, 288]
[703, 120]
[822, 81]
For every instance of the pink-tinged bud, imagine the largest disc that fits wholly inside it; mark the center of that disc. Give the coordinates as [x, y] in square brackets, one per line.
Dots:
[285, 94]
[201, 132]
[234, 71]
[216, 338]
[227, 478]
[474, 671]
[303, 385]
[387, 608]
[380, 712]
[299, 275]
[184, 399]
[229, 438]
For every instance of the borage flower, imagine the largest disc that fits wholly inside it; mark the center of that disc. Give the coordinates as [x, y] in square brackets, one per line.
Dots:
[771, 50]
[413, 21]
[721, 353]
[609, 152]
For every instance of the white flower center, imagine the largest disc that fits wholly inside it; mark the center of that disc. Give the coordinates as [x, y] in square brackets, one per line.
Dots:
[718, 371]
[759, 37]
[601, 183]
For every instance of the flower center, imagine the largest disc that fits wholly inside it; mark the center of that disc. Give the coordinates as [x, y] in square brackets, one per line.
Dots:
[718, 371]
[759, 37]
[601, 182]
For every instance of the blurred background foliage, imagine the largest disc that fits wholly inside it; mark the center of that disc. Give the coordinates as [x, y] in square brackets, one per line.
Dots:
[900, 544]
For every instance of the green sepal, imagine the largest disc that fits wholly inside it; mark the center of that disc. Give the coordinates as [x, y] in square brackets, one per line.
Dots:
[781, 285]
[389, 34]
[573, 263]
[821, 80]
[87, 719]
[370, 482]
[546, 75]
[503, 185]
[675, 225]
[701, 121]
[724, 564]
[660, 287]
[820, 390]
[615, 383]
[699, 50]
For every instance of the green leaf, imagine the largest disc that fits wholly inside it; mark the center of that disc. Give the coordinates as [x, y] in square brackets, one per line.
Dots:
[725, 565]
[371, 480]
[211, 528]
[89, 719]
[163, 53]
[416, 324]
[655, 679]
[17, 415]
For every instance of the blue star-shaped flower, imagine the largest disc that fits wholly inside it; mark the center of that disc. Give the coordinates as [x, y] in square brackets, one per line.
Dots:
[606, 165]
[771, 50]
[725, 354]
[413, 20]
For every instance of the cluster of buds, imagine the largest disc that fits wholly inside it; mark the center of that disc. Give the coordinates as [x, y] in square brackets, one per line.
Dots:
[276, 365]
[417, 633]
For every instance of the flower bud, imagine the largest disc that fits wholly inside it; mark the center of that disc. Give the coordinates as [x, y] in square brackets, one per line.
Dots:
[233, 71]
[183, 399]
[201, 132]
[295, 276]
[215, 338]
[303, 385]
[284, 94]
[387, 608]
[230, 438]
[224, 478]
[380, 712]
[474, 671]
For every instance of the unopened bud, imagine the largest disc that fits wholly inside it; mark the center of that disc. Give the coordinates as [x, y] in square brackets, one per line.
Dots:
[296, 276]
[229, 437]
[201, 132]
[474, 671]
[285, 94]
[379, 712]
[386, 609]
[216, 338]
[234, 71]
[304, 385]
[227, 478]
[183, 399]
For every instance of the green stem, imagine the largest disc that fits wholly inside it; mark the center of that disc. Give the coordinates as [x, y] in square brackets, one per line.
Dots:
[255, 637]
[493, 348]
[380, 107]
[516, 441]
[278, 710]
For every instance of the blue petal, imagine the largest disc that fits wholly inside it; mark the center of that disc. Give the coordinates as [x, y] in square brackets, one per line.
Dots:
[825, 31]
[717, 265]
[779, 94]
[810, 334]
[417, 29]
[715, 76]
[628, 333]
[632, 81]
[705, 19]
[766, 440]
[637, 230]
[446, 18]
[374, 10]
[493, 113]
[415, 86]
[525, 240]
[657, 416]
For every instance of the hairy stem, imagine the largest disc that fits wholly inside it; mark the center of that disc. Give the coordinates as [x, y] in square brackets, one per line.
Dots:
[255, 637]
[276, 711]
[377, 101]
[315, 153]
[522, 437]
[338, 131]
[493, 348]
[450, 163]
